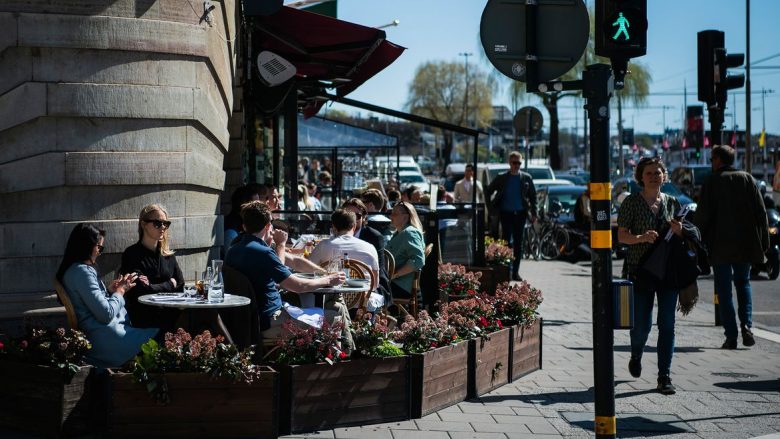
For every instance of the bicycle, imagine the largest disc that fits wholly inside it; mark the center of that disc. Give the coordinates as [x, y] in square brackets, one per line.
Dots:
[531, 242]
[555, 239]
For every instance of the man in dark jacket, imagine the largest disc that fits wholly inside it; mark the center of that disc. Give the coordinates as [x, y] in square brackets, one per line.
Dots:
[732, 220]
[514, 202]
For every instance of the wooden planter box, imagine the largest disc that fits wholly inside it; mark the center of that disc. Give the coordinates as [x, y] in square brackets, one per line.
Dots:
[439, 378]
[489, 362]
[526, 349]
[200, 407]
[36, 398]
[501, 273]
[365, 391]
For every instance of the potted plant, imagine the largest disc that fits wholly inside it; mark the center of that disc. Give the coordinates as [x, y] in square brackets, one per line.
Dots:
[192, 387]
[438, 363]
[499, 256]
[475, 318]
[45, 382]
[517, 305]
[455, 282]
[323, 388]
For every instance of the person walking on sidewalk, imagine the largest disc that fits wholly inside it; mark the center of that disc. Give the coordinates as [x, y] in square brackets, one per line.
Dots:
[515, 201]
[641, 219]
[732, 219]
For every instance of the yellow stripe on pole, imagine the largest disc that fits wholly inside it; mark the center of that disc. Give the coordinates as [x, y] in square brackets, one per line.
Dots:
[625, 310]
[606, 425]
[600, 191]
[715, 299]
[601, 239]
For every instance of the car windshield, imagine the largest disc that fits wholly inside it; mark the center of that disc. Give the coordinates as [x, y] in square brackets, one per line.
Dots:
[567, 198]
[413, 178]
[540, 173]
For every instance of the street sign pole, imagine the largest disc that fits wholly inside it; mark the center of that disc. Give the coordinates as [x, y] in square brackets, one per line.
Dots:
[598, 84]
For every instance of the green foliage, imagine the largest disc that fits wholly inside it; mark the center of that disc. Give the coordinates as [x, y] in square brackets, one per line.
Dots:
[385, 349]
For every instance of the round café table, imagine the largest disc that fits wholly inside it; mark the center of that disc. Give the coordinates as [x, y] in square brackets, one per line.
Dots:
[342, 289]
[187, 304]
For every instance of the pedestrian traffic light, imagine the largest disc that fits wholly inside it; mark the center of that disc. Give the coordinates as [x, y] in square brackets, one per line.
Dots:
[621, 28]
[723, 81]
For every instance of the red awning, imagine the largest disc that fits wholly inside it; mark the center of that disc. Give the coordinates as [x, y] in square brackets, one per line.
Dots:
[328, 53]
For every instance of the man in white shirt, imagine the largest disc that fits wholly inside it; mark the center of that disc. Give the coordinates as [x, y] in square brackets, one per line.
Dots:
[463, 188]
[344, 241]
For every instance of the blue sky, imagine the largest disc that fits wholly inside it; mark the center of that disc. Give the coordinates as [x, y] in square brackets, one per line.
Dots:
[440, 29]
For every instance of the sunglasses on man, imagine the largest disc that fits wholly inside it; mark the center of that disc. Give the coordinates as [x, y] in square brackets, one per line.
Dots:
[159, 223]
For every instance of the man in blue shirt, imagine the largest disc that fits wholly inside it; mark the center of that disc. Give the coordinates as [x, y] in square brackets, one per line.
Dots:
[514, 201]
[264, 268]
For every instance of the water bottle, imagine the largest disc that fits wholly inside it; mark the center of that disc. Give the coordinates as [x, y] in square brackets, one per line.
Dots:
[216, 293]
[345, 265]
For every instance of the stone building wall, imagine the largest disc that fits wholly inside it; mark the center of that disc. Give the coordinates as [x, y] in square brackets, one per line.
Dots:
[106, 106]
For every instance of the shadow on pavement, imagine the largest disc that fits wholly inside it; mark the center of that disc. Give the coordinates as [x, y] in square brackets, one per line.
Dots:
[752, 386]
[626, 348]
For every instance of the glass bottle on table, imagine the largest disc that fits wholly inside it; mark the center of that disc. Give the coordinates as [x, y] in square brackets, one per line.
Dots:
[216, 292]
[345, 265]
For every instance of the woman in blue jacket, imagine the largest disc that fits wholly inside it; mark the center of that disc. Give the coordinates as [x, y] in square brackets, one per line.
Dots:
[100, 311]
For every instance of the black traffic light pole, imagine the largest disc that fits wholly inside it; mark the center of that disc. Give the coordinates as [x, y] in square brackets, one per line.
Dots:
[598, 87]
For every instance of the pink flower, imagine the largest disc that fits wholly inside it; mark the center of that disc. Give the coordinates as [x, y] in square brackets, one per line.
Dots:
[343, 355]
[2, 346]
[329, 356]
[23, 344]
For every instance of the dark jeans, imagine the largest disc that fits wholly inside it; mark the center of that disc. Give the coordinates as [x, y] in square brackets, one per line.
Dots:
[644, 296]
[512, 229]
[739, 274]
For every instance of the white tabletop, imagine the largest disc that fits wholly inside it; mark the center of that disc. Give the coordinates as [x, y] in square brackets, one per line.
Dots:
[182, 302]
[341, 289]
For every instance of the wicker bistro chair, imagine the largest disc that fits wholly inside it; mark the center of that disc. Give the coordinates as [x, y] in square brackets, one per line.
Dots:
[411, 302]
[70, 312]
[357, 270]
[389, 263]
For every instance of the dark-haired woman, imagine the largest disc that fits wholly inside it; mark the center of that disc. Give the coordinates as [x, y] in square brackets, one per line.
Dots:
[100, 311]
[642, 218]
[156, 266]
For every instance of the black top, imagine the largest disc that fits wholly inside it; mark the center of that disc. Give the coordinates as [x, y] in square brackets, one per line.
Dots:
[373, 237]
[159, 269]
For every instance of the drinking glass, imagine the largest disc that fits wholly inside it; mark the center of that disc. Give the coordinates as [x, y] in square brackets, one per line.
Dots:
[216, 293]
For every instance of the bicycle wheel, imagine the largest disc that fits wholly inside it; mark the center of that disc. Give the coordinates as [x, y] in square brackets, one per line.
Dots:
[554, 242]
[530, 243]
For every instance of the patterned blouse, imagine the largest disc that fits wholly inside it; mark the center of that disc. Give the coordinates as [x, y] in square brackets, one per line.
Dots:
[636, 216]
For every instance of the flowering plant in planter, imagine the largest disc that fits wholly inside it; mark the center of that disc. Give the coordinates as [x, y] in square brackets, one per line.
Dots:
[61, 348]
[517, 303]
[183, 353]
[498, 252]
[457, 282]
[309, 345]
[472, 317]
[372, 336]
[425, 333]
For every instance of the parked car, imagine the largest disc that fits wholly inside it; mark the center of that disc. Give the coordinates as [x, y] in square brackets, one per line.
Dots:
[578, 178]
[453, 174]
[543, 183]
[427, 164]
[539, 172]
[412, 178]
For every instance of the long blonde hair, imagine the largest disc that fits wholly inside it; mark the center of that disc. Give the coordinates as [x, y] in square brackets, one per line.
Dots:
[163, 245]
[414, 220]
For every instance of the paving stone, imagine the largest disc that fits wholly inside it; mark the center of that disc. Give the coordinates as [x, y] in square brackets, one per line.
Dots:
[443, 426]
[474, 435]
[499, 428]
[413, 434]
[466, 417]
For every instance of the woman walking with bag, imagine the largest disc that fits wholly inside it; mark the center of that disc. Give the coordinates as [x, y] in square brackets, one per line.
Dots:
[641, 220]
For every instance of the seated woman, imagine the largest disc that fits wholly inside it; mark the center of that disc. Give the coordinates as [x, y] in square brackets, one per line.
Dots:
[101, 312]
[154, 262]
[233, 225]
[407, 247]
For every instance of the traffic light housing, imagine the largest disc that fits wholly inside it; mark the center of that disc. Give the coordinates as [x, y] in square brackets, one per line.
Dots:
[723, 81]
[713, 64]
[621, 28]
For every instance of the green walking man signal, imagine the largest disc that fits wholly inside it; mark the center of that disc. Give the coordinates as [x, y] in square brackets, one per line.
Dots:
[623, 25]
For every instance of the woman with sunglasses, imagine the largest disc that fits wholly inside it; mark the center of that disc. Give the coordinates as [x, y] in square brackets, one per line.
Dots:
[153, 261]
[100, 311]
[407, 247]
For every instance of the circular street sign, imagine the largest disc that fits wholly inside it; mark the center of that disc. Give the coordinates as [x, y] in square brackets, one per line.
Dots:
[561, 36]
[528, 119]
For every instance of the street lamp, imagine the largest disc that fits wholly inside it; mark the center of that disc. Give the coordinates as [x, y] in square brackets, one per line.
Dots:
[466, 55]
[395, 22]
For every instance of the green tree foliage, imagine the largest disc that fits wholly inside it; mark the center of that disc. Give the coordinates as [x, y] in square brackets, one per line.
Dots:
[636, 90]
[443, 91]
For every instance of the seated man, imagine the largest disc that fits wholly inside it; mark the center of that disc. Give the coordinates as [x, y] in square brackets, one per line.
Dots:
[255, 259]
[344, 224]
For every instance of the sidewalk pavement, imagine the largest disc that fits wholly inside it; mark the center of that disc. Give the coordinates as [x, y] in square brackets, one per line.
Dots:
[720, 393]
